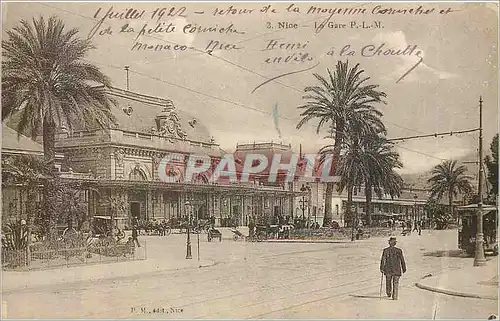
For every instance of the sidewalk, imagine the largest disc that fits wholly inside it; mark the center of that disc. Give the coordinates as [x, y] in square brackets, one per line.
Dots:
[471, 282]
[306, 241]
[13, 280]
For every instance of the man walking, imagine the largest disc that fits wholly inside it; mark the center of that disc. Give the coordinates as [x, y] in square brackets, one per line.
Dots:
[415, 226]
[393, 265]
[251, 227]
[134, 235]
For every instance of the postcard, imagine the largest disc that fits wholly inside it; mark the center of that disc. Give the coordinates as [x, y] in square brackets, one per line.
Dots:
[250, 160]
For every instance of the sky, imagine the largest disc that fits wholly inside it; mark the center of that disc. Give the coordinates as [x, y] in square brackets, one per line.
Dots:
[456, 44]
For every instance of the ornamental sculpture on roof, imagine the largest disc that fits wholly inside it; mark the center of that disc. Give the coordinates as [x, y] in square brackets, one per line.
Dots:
[168, 124]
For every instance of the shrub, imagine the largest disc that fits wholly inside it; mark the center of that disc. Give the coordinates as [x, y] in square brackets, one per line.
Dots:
[15, 237]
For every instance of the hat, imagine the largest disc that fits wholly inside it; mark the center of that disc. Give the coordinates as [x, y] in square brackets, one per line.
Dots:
[392, 238]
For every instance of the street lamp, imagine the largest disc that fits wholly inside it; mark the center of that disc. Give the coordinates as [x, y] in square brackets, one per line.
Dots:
[303, 201]
[479, 259]
[415, 207]
[188, 241]
[309, 200]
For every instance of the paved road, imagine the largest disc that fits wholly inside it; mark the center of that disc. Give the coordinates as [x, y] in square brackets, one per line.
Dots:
[263, 280]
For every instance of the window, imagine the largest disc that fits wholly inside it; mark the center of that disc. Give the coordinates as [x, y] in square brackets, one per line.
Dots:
[137, 175]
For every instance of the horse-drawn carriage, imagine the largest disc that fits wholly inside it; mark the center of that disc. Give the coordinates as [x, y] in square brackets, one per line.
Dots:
[155, 227]
[214, 234]
[105, 226]
[264, 232]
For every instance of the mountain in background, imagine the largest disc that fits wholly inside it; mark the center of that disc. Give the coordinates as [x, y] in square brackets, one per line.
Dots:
[419, 180]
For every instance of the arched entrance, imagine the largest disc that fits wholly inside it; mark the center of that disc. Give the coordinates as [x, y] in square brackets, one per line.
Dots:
[137, 198]
[202, 212]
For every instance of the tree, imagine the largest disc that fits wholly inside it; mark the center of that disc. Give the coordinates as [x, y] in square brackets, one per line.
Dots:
[450, 179]
[437, 213]
[46, 84]
[341, 101]
[380, 161]
[72, 207]
[492, 166]
[370, 161]
[29, 172]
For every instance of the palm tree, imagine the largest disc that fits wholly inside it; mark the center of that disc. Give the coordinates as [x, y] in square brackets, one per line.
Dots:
[341, 101]
[380, 160]
[72, 204]
[29, 172]
[351, 170]
[370, 161]
[46, 84]
[450, 179]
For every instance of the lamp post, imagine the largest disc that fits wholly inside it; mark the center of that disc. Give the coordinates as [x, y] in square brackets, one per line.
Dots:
[188, 241]
[415, 197]
[127, 69]
[309, 200]
[479, 259]
[198, 236]
[303, 202]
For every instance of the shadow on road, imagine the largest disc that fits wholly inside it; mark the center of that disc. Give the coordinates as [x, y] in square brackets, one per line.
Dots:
[492, 282]
[366, 296]
[447, 253]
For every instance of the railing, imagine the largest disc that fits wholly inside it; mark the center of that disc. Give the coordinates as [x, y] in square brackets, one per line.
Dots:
[51, 258]
[252, 146]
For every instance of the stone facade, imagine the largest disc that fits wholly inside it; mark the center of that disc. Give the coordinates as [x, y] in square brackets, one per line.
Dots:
[147, 129]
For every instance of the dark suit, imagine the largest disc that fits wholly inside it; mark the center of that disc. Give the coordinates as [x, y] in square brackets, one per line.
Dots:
[393, 265]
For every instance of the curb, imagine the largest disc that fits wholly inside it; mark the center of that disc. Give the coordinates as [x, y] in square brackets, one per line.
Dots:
[455, 293]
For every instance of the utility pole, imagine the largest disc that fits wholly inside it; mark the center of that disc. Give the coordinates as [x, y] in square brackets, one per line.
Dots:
[198, 235]
[479, 259]
[126, 69]
[188, 241]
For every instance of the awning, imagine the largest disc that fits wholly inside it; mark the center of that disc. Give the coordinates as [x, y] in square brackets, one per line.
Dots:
[109, 217]
[387, 214]
[486, 208]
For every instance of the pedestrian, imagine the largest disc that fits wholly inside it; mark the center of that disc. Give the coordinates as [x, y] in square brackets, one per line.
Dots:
[419, 228]
[251, 227]
[415, 226]
[134, 235]
[392, 265]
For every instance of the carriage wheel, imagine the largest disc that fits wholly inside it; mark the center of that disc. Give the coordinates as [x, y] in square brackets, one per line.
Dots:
[209, 238]
[235, 237]
[120, 235]
[168, 231]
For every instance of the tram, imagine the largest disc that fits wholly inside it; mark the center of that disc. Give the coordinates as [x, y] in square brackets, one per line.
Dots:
[467, 228]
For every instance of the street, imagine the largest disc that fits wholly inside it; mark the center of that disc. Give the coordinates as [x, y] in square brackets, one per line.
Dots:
[264, 280]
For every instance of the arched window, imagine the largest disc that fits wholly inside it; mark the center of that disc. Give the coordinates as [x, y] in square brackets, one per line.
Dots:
[137, 175]
[200, 179]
